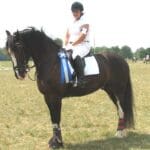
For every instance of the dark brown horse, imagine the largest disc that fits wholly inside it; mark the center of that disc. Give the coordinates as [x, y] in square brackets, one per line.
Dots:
[114, 78]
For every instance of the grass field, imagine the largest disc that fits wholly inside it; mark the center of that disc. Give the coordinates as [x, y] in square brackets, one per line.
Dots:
[88, 123]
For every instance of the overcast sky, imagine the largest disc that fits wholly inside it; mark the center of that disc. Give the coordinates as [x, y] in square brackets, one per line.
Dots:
[113, 22]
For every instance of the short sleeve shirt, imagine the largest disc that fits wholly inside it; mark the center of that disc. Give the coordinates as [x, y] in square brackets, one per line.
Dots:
[75, 29]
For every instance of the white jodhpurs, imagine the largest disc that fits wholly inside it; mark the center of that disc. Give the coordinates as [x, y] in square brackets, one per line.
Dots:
[81, 49]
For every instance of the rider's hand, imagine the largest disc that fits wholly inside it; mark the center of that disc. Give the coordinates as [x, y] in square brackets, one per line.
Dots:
[68, 47]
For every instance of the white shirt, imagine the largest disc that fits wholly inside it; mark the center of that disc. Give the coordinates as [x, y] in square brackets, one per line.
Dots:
[75, 29]
[147, 56]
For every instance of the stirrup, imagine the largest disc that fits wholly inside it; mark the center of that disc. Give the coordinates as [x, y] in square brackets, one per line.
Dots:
[79, 83]
[74, 83]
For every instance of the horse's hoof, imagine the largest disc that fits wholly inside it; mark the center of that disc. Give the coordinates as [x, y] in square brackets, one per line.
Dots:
[121, 133]
[55, 143]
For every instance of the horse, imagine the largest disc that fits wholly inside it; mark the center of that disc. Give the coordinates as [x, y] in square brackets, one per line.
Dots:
[146, 59]
[114, 78]
[134, 59]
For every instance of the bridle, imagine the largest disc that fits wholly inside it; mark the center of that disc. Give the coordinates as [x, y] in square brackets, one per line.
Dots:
[25, 67]
[35, 74]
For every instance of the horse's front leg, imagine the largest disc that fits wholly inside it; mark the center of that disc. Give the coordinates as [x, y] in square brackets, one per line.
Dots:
[54, 105]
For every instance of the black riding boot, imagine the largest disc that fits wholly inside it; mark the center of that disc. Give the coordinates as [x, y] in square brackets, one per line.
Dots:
[79, 69]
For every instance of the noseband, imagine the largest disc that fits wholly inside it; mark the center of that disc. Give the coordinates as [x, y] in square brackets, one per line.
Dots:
[24, 67]
[21, 68]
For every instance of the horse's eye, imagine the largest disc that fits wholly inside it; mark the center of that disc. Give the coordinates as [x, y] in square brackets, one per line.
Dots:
[18, 45]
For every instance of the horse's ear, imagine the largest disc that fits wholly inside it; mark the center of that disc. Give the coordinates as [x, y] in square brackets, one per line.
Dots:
[17, 35]
[42, 29]
[8, 33]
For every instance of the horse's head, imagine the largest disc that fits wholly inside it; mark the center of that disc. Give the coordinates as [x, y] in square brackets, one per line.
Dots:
[16, 50]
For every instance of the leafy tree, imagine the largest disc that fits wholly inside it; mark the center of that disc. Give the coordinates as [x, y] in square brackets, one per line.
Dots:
[126, 52]
[115, 49]
[99, 49]
[140, 53]
[147, 51]
[59, 41]
[3, 54]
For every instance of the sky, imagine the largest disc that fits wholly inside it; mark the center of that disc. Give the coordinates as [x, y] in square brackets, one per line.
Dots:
[112, 22]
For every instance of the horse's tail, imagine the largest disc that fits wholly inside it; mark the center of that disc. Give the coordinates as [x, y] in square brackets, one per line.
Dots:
[128, 105]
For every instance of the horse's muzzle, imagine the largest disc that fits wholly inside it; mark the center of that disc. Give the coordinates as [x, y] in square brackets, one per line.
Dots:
[20, 72]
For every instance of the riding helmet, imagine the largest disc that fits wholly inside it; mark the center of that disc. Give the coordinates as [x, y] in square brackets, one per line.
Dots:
[77, 6]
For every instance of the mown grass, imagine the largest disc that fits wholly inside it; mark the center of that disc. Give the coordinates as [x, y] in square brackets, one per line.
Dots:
[88, 123]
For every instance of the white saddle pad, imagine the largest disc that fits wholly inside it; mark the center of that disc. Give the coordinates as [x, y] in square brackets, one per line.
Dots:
[91, 66]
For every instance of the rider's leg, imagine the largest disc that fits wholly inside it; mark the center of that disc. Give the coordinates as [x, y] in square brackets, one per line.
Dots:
[79, 52]
[79, 68]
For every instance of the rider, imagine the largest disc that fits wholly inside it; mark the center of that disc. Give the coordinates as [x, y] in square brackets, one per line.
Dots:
[147, 57]
[77, 39]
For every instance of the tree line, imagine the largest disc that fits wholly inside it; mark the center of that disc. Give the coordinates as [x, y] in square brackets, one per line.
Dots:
[3, 54]
[125, 51]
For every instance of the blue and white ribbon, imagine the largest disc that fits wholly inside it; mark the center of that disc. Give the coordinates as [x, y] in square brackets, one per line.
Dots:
[66, 68]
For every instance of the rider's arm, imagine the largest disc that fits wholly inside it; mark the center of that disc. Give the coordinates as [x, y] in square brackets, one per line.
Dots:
[67, 37]
[82, 36]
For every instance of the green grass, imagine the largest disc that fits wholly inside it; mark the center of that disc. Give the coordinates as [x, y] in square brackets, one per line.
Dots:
[88, 123]
[5, 64]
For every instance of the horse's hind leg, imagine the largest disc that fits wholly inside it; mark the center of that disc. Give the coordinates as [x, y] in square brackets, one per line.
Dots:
[121, 132]
[125, 108]
[121, 129]
[111, 95]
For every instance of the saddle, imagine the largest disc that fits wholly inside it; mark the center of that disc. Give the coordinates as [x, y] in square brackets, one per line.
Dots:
[69, 56]
[68, 73]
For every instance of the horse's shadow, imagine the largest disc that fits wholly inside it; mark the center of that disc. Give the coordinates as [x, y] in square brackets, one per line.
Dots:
[133, 141]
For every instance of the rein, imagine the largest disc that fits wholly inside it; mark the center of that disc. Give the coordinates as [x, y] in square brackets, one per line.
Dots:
[27, 68]
[35, 74]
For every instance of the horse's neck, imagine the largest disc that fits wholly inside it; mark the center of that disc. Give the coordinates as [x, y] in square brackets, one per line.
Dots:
[46, 57]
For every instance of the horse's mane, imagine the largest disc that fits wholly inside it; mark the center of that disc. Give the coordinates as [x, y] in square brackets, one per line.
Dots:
[39, 34]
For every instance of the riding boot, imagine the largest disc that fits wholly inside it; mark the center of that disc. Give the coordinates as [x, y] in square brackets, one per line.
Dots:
[79, 69]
